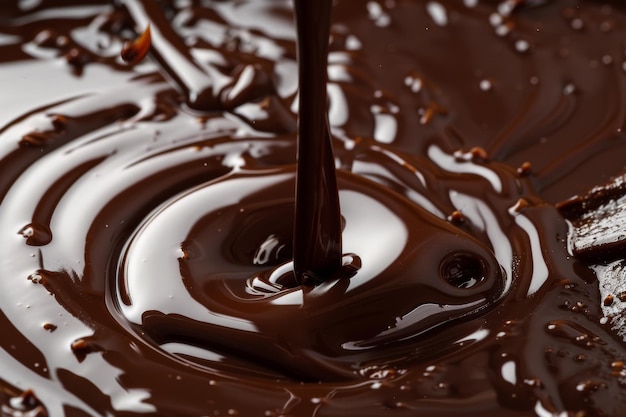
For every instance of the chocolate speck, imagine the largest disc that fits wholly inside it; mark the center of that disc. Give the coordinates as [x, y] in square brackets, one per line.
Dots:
[525, 169]
[456, 217]
[479, 154]
[136, 50]
[81, 348]
[50, 327]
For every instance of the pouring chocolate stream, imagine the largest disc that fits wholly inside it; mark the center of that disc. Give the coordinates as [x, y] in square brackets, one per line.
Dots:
[317, 227]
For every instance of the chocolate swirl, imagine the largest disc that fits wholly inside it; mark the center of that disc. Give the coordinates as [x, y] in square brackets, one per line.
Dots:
[147, 240]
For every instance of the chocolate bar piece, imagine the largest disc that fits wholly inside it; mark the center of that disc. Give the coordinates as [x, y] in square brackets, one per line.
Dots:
[598, 234]
[598, 222]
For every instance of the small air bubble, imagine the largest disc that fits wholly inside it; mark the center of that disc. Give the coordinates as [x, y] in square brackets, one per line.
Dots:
[414, 83]
[569, 89]
[353, 43]
[577, 24]
[437, 13]
[522, 46]
[606, 26]
[486, 85]
[502, 30]
[534, 382]
[495, 19]
[506, 7]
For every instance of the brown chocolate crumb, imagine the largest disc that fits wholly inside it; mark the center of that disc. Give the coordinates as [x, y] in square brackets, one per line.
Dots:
[525, 169]
[81, 348]
[264, 104]
[456, 217]
[50, 327]
[479, 153]
[59, 122]
[430, 111]
[37, 139]
[608, 300]
[520, 205]
[136, 50]
[76, 58]
[622, 296]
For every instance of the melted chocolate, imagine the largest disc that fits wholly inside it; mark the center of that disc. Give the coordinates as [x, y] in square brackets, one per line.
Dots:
[317, 227]
[146, 220]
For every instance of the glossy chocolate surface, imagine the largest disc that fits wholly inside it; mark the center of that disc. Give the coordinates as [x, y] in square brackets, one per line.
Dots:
[146, 210]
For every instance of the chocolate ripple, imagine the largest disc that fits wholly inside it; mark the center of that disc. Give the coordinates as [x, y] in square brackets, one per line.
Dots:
[180, 283]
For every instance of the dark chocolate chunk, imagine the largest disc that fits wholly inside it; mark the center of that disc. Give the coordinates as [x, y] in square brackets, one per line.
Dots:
[597, 221]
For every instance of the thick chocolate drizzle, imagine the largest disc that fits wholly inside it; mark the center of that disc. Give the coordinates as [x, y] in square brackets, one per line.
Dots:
[147, 237]
[317, 227]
